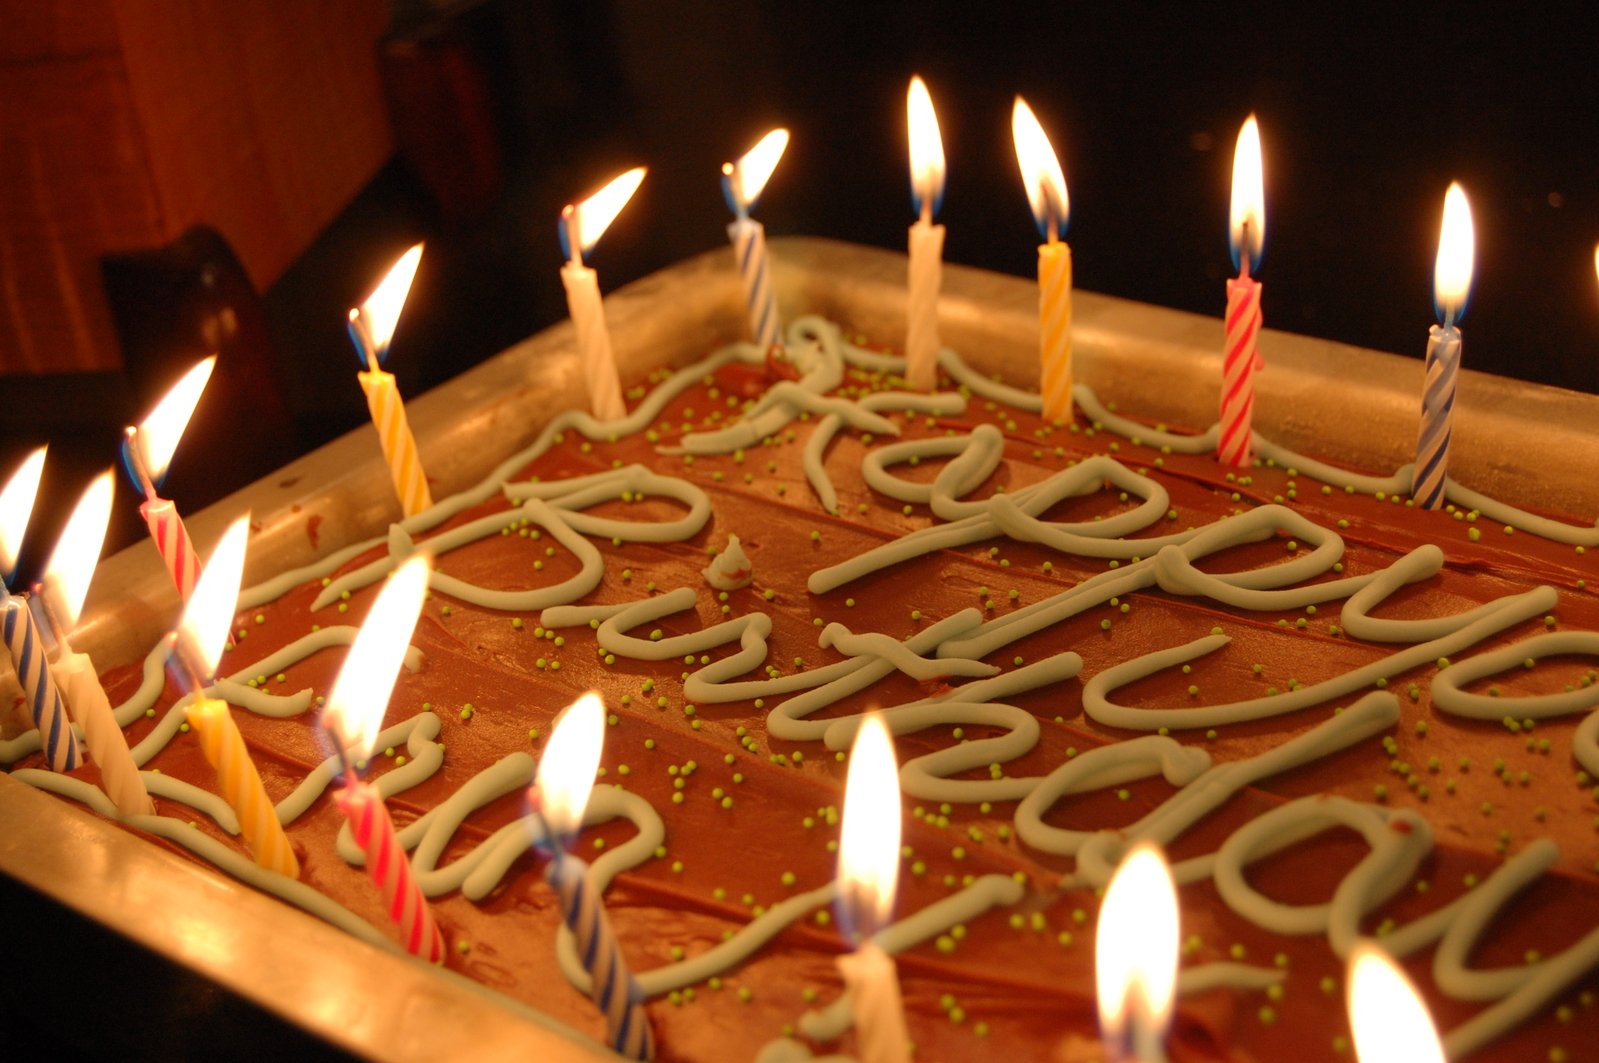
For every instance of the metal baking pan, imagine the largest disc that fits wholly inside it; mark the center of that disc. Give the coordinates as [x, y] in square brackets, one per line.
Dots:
[82, 894]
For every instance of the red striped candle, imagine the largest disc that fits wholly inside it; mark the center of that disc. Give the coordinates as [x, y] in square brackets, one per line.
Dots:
[1239, 362]
[1240, 357]
[149, 449]
[353, 717]
[386, 862]
[172, 543]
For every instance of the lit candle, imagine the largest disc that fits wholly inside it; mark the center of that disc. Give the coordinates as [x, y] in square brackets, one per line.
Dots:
[1388, 1018]
[60, 745]
[353, 716]
[197, 647]
[926, 239]
[581, 227]
[742, 183]
[561, 793]
[147, 450]
[66, 584]
[1451, 281]
[1240, 357]
[1046, 193]
[1135, 956]
[868, 873]
[371, 330]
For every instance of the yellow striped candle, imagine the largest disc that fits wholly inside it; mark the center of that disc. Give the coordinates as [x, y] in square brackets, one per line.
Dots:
[1046, 194]
[197, 646]
[371, 328]
[224, 747]
[394, 435]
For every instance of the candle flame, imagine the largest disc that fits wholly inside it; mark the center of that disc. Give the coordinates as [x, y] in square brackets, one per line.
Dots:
[1390, 1022]
[566, 770]
[1041, 173]
[354, 711]
[1457, 243]
[1247, 217]
[208, 617]
[927, 150]
[158, 435]
[747, 177]
[71, 567]
[868, 844]
[380, 311]
[585, 223]
[16, 507]
[1135, 953]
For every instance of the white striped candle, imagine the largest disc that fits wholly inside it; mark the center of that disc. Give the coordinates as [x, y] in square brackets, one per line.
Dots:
[49, 715]
[108, 746]
[611, 986]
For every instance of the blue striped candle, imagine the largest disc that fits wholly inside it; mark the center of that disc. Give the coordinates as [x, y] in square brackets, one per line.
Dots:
[742, 184]
[1437, 405]
[60, 745]
[1451, 283]
[754, 269]
[611, 986]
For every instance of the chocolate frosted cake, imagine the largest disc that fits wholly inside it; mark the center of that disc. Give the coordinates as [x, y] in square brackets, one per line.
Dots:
[1340, 715]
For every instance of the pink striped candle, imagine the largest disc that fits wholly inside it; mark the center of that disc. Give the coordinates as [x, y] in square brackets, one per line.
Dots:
[149, 449]
[353, 717]
[1240, 357]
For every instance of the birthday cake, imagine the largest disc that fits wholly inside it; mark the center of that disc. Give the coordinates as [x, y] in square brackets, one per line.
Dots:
[1340, 715]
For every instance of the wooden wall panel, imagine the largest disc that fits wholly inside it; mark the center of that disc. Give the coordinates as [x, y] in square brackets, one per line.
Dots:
[261, 117]
[124, 123]
[73, 183]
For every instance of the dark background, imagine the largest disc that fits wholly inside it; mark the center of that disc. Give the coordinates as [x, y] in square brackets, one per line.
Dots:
[510, 109]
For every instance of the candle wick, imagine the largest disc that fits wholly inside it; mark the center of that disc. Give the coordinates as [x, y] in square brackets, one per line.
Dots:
[569, 219]
[137, 460]
[927, 210]
[363, 331]
[51, 623]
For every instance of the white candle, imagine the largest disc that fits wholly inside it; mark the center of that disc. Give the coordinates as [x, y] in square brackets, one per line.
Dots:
[1386, 1015]
[1135, 957]
[66, 583]
[926, 240]
[581, 227]
[868, 872]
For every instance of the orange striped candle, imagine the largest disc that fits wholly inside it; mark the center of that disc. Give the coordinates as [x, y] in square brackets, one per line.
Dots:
[371, 328]
[1046, 194]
